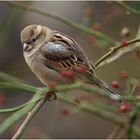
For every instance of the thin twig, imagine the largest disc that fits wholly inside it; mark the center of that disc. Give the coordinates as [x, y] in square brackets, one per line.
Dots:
[85, 106]
[29, 117]
[8, 122]
[112, 51]
[61, 88]
[128, 8]
[132, 119]
[13, 109]
[123, 51]
[114, 132]
[100, 113]
[122, 134]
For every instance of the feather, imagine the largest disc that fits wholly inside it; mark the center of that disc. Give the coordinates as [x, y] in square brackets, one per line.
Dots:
[63, 52]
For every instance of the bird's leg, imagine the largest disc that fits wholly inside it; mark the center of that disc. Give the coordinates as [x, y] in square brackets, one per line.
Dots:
[50, 96]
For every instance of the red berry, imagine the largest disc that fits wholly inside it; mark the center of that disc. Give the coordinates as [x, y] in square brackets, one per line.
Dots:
[91, 39]
[52, 85]
[65, 111]
[124, 42]
[125, 107]
[83, 68]
[96, 26]
[67, 73]
[124, 74]
[2, 99]
[87, 12]
[115, 84]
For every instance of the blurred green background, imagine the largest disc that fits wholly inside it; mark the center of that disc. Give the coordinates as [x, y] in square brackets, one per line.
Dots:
[107, 17]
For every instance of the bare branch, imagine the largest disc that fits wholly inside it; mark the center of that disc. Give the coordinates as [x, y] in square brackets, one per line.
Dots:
[29, 117]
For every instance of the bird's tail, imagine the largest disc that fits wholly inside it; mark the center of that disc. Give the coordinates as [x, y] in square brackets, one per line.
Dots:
[113, 94]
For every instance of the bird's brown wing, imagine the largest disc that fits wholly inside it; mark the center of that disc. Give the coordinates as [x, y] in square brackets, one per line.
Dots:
[59, 57]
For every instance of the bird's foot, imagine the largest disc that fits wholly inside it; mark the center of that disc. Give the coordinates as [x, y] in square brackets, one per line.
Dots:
[51, 96]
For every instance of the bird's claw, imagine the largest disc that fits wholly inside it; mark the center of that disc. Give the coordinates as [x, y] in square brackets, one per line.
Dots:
[51, 96]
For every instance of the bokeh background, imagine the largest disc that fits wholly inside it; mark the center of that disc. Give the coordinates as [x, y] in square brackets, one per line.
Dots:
[56, 119]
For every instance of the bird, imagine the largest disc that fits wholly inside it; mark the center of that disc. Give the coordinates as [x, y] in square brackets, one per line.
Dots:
[48, 52]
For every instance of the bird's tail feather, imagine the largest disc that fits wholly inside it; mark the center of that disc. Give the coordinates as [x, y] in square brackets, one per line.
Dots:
[113, 94]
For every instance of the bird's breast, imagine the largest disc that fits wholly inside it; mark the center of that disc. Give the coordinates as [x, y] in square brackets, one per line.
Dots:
[45, 74]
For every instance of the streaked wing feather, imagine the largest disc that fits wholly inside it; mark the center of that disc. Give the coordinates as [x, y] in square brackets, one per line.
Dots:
[60, 57]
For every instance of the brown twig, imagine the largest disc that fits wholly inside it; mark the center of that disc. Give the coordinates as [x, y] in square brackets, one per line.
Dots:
[114, 132]
[29, 117]
[122, 134]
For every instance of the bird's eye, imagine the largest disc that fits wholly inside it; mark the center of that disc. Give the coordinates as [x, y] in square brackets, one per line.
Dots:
[34, 39]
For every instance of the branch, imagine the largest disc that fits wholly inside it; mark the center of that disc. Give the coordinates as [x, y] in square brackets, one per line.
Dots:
[132, 119]
[114, 132]
[128, 8]
[75, 25]
[112, 51]
[8, 78]
[100, 113]
[19, 107]
[29, 117]
[61, 88]
[122, 51]
[83, 105]
[14, 117]
[122, 134]
[18, 85]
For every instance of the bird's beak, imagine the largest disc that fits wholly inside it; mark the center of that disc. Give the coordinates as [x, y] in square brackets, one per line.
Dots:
[25, 46]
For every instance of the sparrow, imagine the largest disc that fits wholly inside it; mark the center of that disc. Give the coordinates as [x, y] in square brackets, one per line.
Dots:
[48, 52]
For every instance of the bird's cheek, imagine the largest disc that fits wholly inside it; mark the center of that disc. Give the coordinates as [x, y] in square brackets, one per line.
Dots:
[37, 44]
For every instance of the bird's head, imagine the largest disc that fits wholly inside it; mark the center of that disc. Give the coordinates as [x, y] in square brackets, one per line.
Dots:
[34, 36]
